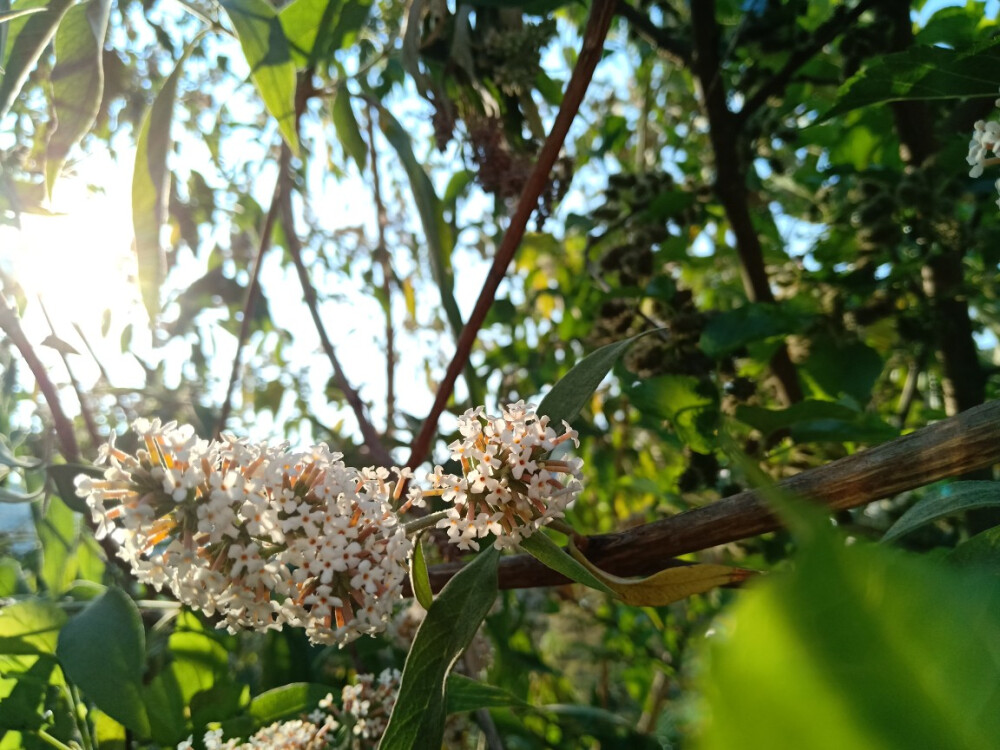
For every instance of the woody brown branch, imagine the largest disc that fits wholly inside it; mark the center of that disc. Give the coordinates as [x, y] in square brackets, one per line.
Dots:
[950, 448]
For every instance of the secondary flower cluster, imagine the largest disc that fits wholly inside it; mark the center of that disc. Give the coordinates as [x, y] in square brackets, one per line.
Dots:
[984, 148]
[508, 488]
[262, 536]
[359, 722]
[266, 537]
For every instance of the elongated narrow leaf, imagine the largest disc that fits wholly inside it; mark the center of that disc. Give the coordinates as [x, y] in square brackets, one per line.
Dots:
[77, 80]
[669, 585]
[576, 387]
[58, 532]
[346, 125]
[10, 15]
[552, 555]
[466, 694]
[151, 188]
[419, 578]
[13, 496]
[266, 49]
[317, 28]
[286, 702]
[27, 37]
[945, 501]
[102, 651]
[417, 720]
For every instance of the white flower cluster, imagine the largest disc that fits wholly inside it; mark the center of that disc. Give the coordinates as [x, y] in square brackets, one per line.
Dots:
[508, 488]
[363, 714]
[984, 148]
[262, 536]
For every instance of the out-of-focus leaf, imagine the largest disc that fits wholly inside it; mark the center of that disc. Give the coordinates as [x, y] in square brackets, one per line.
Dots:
[7, 457]
[151, 189]
[266, 49]
[848, 369]
[10, 15]
[922, 73]
[30, 627]
[813, 420]
[317, 28]
[552, 555]
[108, 733]
[63, 476]
[609, 728]
[286, 702]
[755, 321]
[861, 646]
[346, 125]
[12, 496]
[417, 720]
[102, 650]
[58, 533]
[419, 578]
[982, 550]
[575, 388]
[77, 80]
[691, 405]
[466, 694]
[27, 37]
[54, 342]
[944, 501]
[669, 585]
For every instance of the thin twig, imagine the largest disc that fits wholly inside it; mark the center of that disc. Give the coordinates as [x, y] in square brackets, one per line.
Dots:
[370, 435]
[88, 418]
[11, 325]
[382, 253]
[601, 14]
[253, 289]
[950, 448]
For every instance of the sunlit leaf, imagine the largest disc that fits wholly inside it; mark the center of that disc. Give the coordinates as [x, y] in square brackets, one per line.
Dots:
[317, 28]
[30, 627]
[943, 501]
[417, 720]
[552, 555]
[419, 577]
[58, 533]
[267, 53]
[286, 702]
[27, 36]
[77, 80]
[109, 674]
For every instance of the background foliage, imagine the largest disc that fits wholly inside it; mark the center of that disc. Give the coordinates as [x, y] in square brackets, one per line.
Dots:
[774, 192]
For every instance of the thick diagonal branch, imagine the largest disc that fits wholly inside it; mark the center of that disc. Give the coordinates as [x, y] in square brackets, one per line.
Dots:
[950, 448]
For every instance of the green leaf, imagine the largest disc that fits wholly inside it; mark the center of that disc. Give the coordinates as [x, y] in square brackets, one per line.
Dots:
[151, 189]
[466, 694]
[10, 15]
[982, 550]
[77, 80]
[575, 388]
[30, 627]
[420, 580]
[315, 29]
[347, 129]
[59, 535]
[837, 369]
[946, 500]
[922, 73]
[102, 650]
[266, 49]
[861, 646]
[63, 476]
[547, 552]
[813, 420]
[286, 702]
[754, 321]
[417, 720]
[27, 37]
[691, 404]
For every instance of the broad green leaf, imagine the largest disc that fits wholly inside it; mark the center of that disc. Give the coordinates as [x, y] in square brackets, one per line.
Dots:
[24, 682]
[30, 627]
[691, 404]
[419, 578]
[11, 577]
[982, 550]
[77, 80]
[836, 369]
[575, 388]
[315, 29]
[266, 49]
[466, 694]
[552, 555]
[197, 661]
[168, 715]
[813, 420]
[151, 189]
[27, 37]
[63, 476]
[102, 650]
[861, 646]
[922, 73]
[417, 720]
[608, 728]
[58, 532]
[755, 321]
[943, 501]
[669, 585]
[346, 125]
[10, 15]
[286, 702]
[108, 733]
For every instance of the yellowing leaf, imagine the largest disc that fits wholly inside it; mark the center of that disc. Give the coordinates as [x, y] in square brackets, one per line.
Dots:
[667, 586]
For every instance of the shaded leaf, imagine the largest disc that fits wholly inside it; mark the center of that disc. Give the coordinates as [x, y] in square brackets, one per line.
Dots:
[690, 404]
[552, 555]
[27, 37]
[417, 720]
[64, 475]
[466, 694]
[347, 129]
[10, 15]
[420, 580]
[77, 80]
[54, 342]
[947, 500]
[109, 674]
[266, 49]
[812, 419]
[755, 321]
[575, 388]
